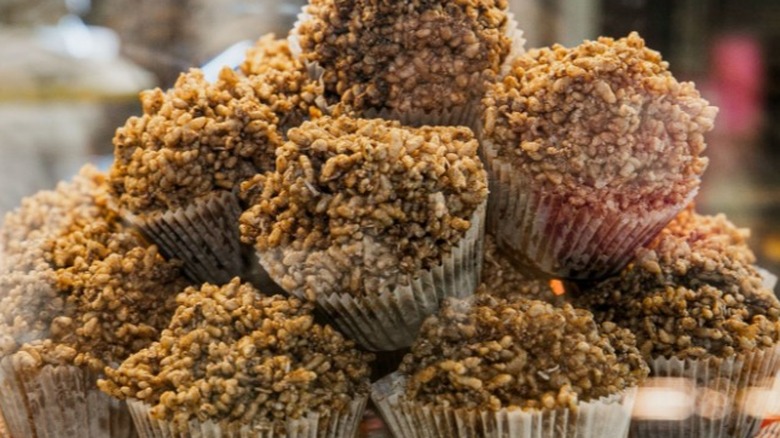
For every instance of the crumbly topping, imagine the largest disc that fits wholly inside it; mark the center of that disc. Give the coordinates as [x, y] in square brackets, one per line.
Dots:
[501, 279]
[486, 352]
[96, 291]
[28, 298]
[119, 291]
[192, 140]
[282, 82]
[355, 203]
[604, 123]
[693, 293]
[232, 354]
[42, 215]
[269, 54]
[419, 55]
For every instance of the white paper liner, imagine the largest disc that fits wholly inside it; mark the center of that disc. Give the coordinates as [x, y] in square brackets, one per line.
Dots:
[314, 70]
[607, 417]
[769, 280]
[518, 44]
[552, 237]
[334, 424]
[465, 115]
[59, 401]
[719, 394]
[770, 431]
[391, 320]
[204, 235]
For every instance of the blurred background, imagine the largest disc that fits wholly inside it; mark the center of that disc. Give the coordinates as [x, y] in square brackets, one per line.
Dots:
[70, 71]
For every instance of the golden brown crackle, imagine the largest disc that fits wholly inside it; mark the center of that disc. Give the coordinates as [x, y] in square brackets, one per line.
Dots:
[232, 354]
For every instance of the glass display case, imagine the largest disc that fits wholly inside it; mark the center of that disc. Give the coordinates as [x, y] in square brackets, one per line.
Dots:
[375, 252]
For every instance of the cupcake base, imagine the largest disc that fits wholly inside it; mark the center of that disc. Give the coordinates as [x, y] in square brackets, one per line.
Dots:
[720, 397]
[390, 320]
[548, 235]
[59, 401]
[333, 425]
[203, 235]
[607, 417]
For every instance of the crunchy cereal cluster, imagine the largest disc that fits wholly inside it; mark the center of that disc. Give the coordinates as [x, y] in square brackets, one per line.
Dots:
[603, 124]
[501, 278]
[119, 291]
[355, 203]
[42, 215]
[191, 140]
[693, 293]
[96, 291]
[232, 354]
[490, 353]
[28, 298]
[282, 82]
[418, 55]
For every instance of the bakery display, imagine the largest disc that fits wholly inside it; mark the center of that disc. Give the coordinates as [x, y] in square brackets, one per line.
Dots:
[592, 150]
[405, 180]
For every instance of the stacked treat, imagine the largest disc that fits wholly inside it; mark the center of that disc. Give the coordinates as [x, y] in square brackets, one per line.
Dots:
[390, 177]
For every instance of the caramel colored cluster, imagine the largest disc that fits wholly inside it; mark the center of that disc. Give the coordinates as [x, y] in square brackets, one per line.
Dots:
[355, 203]
[282, 82]
[411, 56]
[28, 298]
[601, 124]
[491, 354]
[233, 354]
[118, 291]
[192, 140]
[693, 293]
[42, 215]
[96, 291]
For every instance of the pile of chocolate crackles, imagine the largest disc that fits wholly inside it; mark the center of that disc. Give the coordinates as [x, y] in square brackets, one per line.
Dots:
[396, 205]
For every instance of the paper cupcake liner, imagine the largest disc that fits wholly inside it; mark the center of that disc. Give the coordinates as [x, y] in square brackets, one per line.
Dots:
[769, 280]
[59, 401]
[607, 417]
[204, 235]
[704, 398]
[334, 424]
[465, 115]
[517, 47]
[549, 236]
[391, 319]
[770, 431]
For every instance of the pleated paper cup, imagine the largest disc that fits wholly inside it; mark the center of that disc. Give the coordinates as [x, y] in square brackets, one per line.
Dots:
[771, 430]
[333, 424]
[607, 417]
[768, 279]
[204, 235]
[391, 319]
[705, 398]
[549, 236]
[465, 115]
[59, 401]
[518, 44]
